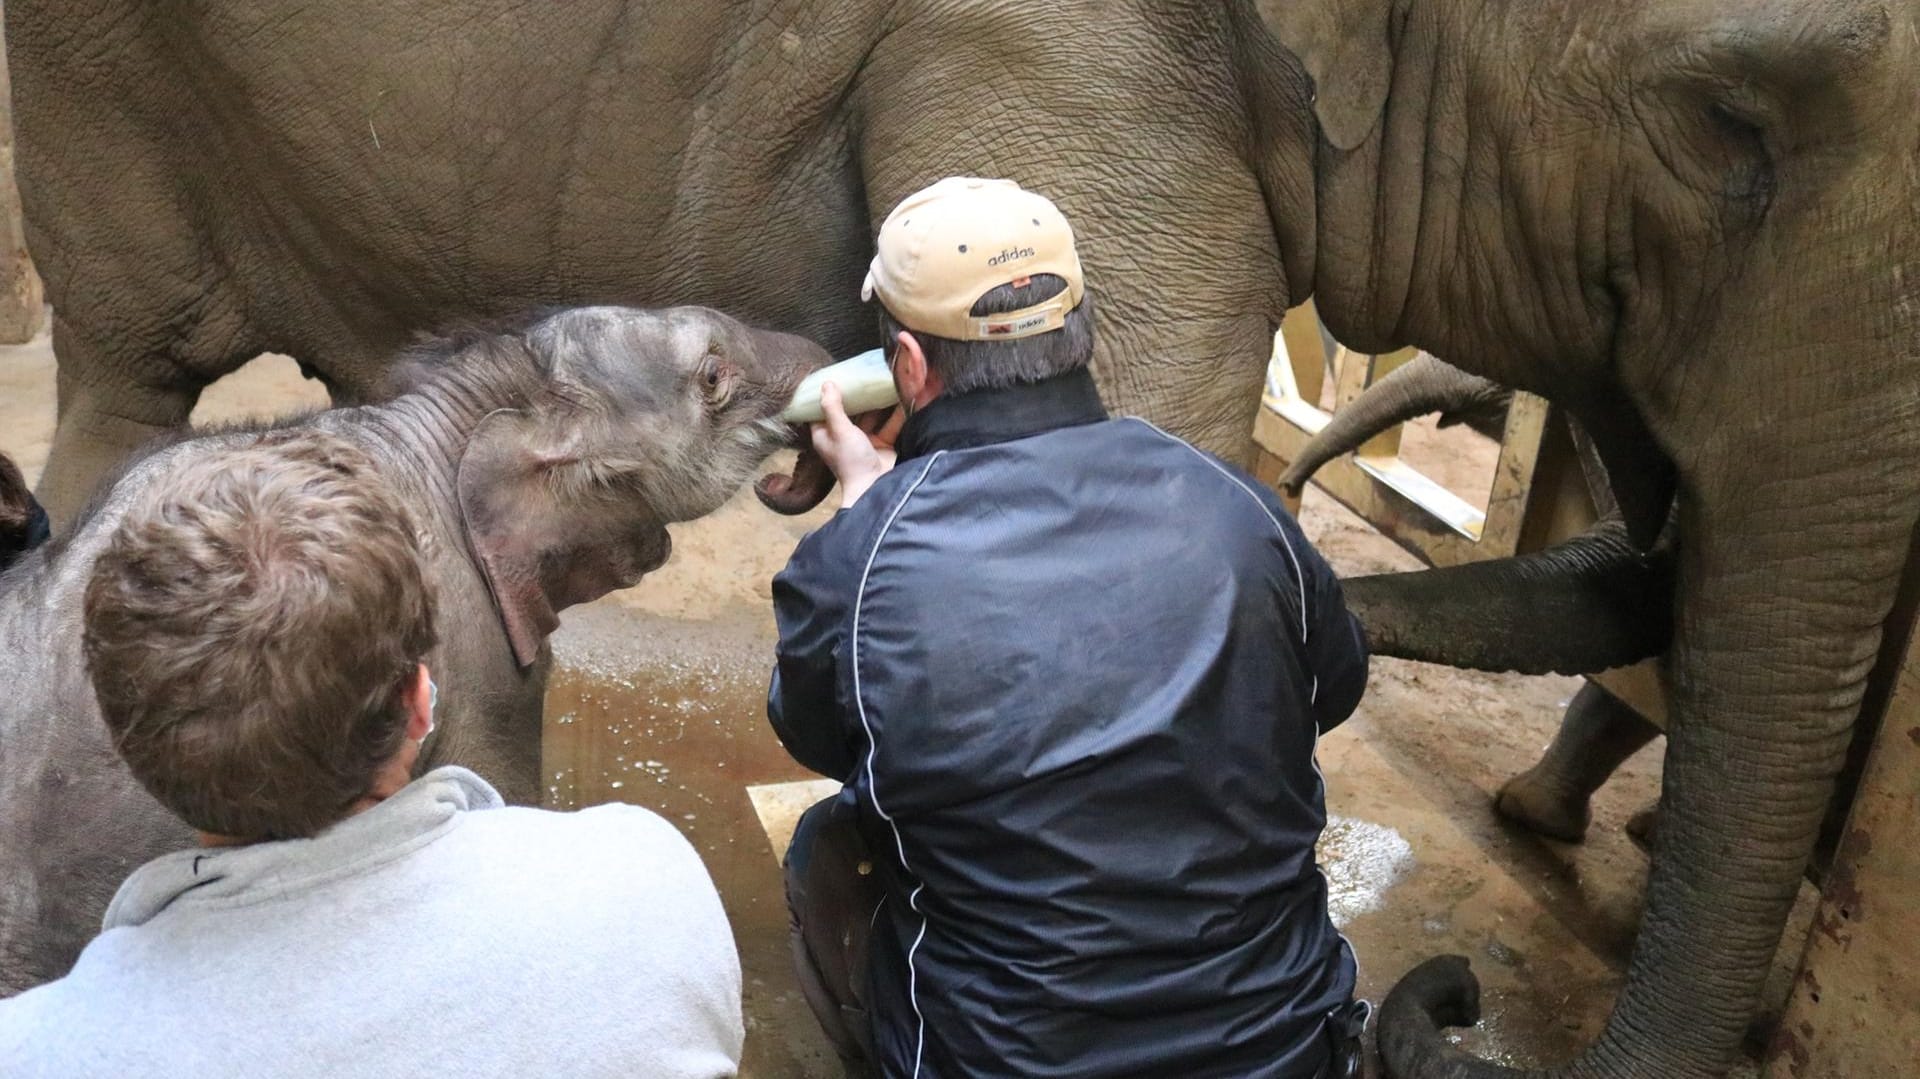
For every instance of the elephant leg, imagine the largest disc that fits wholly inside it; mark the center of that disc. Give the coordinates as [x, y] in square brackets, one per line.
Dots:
[1597, 734]
[144, 314]
[106, 409]
[1769, 666]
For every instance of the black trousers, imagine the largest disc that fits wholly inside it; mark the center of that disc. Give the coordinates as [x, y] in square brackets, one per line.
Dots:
[833, 899]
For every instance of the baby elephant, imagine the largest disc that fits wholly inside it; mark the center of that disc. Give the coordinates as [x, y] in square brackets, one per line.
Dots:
[542, 463]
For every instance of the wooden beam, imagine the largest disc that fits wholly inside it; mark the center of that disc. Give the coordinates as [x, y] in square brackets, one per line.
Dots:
[1435, 524]
[1306, 351]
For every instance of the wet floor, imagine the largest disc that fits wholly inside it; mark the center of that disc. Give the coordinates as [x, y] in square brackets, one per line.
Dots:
[668, 712]
[670, 715]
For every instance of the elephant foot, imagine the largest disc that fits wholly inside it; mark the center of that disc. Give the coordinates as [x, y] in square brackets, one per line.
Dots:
[1543, 807]
[1643, 826]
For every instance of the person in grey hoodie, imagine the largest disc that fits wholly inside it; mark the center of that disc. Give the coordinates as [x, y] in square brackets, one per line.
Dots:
[254, 632]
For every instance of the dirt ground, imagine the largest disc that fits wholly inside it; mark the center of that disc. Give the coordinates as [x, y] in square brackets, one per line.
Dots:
[658, 699]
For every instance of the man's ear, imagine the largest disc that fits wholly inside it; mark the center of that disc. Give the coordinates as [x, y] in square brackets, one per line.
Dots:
[1344, 46]
[910, 371]
[419, 698]
[545, 540]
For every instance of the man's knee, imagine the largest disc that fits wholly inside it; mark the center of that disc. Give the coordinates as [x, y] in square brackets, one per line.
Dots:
[831, 897]
[830, 885]
[807, 831]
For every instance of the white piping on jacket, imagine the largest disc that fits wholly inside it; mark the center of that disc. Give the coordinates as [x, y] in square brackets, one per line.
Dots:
[873, 782]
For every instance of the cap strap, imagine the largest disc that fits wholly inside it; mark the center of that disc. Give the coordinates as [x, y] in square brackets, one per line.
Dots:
[1044, 317]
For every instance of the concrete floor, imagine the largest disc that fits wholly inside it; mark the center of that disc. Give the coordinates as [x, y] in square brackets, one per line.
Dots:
[658, 700]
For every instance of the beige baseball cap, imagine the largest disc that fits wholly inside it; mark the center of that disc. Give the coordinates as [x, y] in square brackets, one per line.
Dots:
[947, 245]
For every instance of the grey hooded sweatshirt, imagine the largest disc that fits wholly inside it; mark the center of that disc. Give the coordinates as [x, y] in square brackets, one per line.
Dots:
[436, 933]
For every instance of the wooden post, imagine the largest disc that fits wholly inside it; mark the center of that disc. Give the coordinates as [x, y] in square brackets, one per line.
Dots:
[1301, 332]
[22, 302]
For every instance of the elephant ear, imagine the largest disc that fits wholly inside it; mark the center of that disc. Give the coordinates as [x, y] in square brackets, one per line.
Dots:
[1345, 47]
[545, 540]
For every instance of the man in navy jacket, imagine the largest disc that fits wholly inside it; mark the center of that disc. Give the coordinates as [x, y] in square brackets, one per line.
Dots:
[1071, 671]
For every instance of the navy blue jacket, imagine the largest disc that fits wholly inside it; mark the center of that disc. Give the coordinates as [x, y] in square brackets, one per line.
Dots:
[1071, 670]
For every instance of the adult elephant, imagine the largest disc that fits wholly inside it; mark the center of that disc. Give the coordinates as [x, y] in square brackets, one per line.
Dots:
[321, 179]
[1690, 223]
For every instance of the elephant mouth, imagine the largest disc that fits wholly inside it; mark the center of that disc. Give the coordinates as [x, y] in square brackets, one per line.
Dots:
[796, 436]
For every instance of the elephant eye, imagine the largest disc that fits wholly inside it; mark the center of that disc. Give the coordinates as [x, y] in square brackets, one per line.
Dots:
[715, 377]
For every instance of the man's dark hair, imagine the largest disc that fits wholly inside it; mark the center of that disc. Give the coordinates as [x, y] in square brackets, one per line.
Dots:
[987, 365]
[251, 629]
[23, 526]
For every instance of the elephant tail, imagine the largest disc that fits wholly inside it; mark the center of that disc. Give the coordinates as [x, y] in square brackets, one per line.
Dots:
[1439, 993]
[1421, 385]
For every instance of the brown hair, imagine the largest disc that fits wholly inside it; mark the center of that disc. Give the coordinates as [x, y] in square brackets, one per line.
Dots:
[250, 629]
[16, 512]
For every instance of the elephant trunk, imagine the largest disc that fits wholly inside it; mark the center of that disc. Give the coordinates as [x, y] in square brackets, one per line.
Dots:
[798, 491]
[1438, 993]
[1422, 385]
[1591, 603]
[1766, 676]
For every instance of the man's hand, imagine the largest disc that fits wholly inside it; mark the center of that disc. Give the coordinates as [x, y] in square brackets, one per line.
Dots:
[858, 453]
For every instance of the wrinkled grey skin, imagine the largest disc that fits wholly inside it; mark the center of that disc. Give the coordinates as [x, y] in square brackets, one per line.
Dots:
[1691, 224]
[318, 179]
[573, 441]
[1597, 735]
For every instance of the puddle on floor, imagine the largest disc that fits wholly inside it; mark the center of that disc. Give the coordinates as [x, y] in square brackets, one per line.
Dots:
[1361, 861]
[671, 715]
